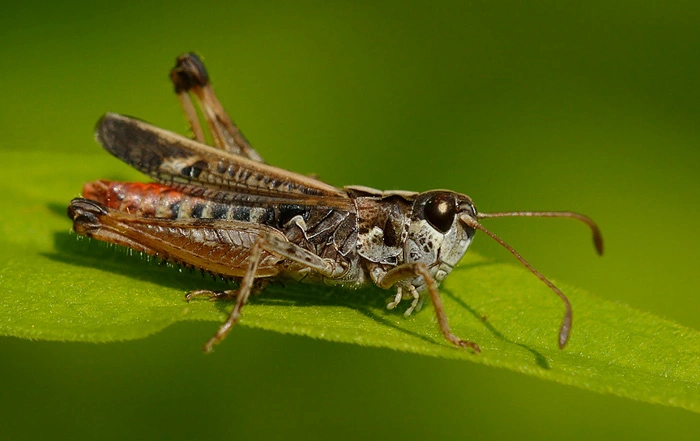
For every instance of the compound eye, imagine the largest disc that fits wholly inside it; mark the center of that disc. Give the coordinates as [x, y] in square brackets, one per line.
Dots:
[440, 211]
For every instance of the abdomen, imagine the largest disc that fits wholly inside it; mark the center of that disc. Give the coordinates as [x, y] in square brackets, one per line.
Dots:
[163, 202]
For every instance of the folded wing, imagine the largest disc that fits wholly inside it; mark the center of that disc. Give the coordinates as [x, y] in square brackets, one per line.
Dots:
[202, 170]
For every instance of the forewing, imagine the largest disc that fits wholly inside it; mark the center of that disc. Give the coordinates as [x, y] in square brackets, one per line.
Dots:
[194, 167]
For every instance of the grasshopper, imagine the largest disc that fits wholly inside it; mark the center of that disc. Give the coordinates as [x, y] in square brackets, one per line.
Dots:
[220, 208]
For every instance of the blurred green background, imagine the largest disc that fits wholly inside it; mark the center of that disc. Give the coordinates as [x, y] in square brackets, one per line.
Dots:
[592, 107]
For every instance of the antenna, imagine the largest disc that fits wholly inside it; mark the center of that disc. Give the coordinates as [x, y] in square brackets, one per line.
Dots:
[565, 329]
[597, 237]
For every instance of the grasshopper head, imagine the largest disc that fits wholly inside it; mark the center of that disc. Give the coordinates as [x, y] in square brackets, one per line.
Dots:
[437, 236]
[441, 228]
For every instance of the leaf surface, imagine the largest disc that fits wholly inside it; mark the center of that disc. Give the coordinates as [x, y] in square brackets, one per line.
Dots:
[58, 287]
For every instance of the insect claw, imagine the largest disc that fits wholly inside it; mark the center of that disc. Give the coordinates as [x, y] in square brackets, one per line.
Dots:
[208, 347]
[461, 343]
[464, 343]
[416, 303]
[475, 347]
[212, 296]
[397, 299]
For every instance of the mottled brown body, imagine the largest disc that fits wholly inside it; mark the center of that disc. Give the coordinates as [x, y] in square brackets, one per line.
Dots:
[329, 233]
[223, 210]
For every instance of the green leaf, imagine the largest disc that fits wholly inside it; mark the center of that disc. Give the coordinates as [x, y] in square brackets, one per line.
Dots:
[58, 287]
